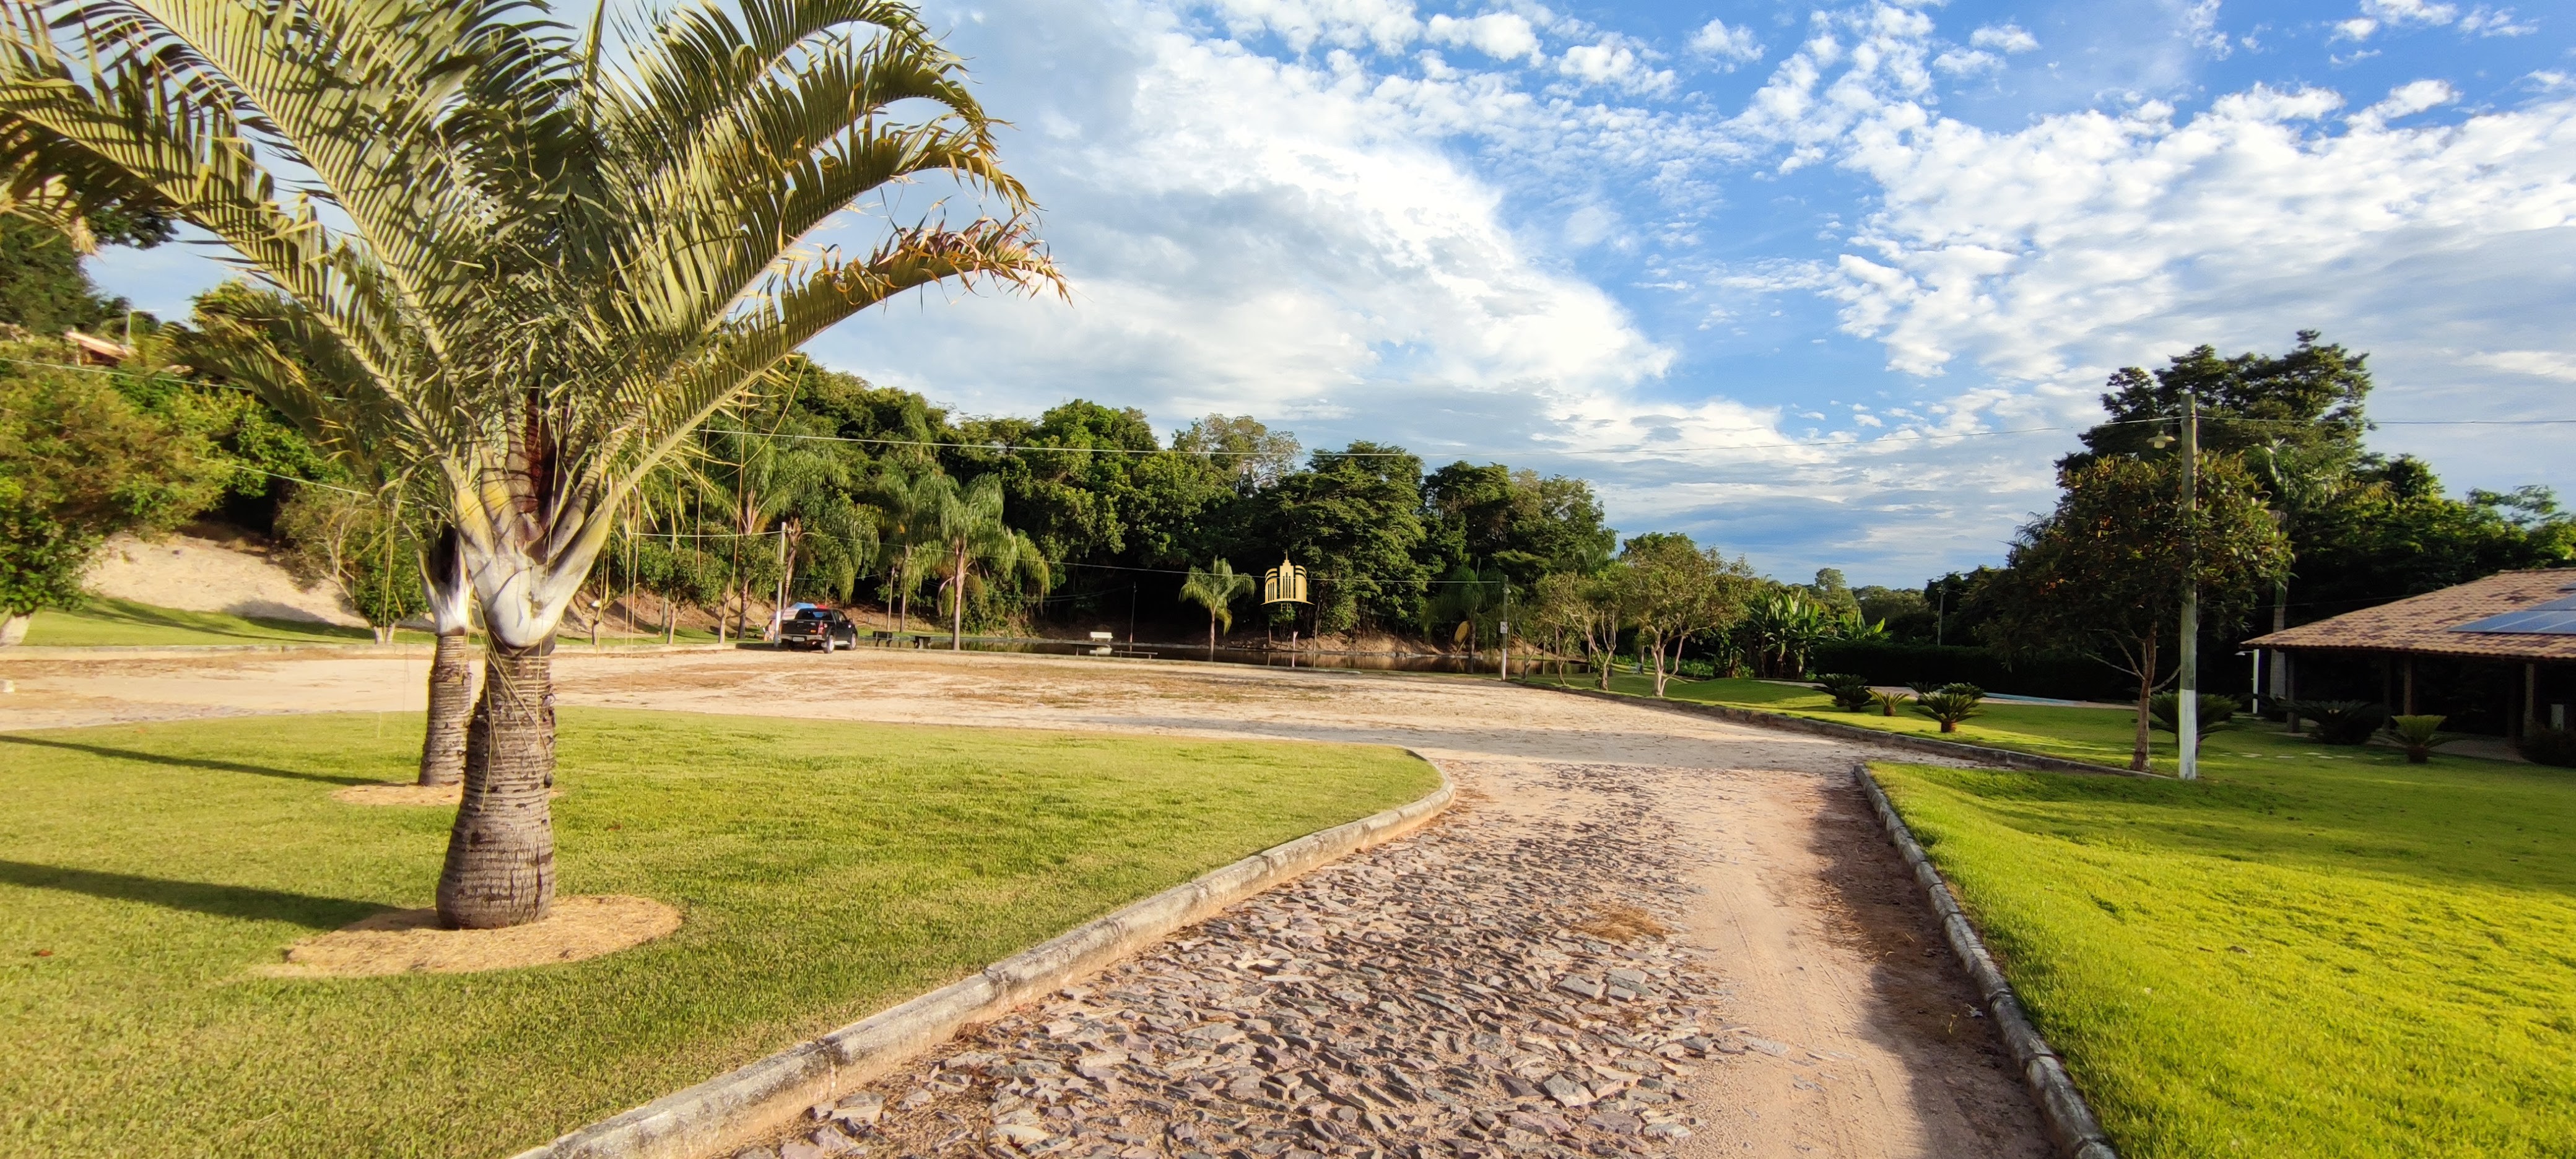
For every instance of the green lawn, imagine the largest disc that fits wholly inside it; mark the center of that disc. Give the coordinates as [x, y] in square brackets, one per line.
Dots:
[124, 622]
[104, 622]
[2312, 951]
[826, 870]
[2099, 735]
[2286, 958]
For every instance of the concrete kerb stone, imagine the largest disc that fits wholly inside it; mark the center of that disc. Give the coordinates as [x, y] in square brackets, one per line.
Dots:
[1982, 754]
[2070, 1121]
[754, 1099]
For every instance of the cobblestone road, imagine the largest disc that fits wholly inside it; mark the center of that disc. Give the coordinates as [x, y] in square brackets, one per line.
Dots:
[1505, 982]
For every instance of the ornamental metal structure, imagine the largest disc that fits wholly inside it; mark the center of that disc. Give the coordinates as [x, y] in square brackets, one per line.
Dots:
[1284, 584]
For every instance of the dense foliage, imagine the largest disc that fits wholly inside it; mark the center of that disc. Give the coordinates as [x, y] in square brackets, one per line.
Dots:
[82, 459]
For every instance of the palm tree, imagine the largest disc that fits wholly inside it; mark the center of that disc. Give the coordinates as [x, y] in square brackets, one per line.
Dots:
[906, 500]
[550, 254]
[965, 528]
[264, 341]
[1216, 589]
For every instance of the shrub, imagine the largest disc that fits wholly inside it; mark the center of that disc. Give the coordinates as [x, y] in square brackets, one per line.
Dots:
[2417, 735]
[1948, 707]
[1923, 688]
[2341, 722]
[2542, 745]
[1963, 688]
[1887, 701]
[2216, 712]
[1851, 693]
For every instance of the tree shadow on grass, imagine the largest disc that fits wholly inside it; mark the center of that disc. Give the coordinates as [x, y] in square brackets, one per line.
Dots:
[184, 762]
[229, 901]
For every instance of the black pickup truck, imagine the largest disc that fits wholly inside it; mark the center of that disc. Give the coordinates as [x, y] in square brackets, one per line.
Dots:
[819, 628]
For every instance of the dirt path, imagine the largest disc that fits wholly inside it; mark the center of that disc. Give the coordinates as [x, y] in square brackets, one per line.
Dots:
[1853, 1034]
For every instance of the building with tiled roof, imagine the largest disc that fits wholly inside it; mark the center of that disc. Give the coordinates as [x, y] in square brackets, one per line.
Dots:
[2510, 637]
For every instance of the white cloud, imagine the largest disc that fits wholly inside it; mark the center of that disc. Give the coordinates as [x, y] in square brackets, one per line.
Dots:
[2407, 100]
[1614, 62]
[2008, 38]
[1384, 25]
[1729, 46]
[2477, 21]
[2553, 364]
[1249, 233]
[2200, 26]
[2411, 11]
[1501, 35]
[1959, 63]
[2499, 22]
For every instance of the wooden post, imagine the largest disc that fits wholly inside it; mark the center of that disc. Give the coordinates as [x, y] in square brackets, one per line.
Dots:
[2289, 662]
[2410, 686]
[2530, 699]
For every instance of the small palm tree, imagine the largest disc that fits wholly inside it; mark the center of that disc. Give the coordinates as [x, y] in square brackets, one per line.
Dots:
[1948, 707]
[965, 528]
[1216, 589]
[549, 254]
[2418, 735]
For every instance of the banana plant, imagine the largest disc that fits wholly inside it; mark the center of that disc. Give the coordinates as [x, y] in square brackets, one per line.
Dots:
[549, 252]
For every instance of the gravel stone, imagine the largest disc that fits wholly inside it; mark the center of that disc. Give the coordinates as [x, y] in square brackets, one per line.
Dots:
[1438, 997]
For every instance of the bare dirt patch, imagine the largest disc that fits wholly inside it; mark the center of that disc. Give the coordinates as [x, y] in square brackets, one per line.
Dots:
[411, 941]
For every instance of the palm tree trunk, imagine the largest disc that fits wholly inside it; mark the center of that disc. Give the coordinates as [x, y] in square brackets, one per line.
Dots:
[451, 700]
[1211, 635]
[451, 667]
[500, 867]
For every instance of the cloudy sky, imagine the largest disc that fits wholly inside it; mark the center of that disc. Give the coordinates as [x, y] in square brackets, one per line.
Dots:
[1825, 285]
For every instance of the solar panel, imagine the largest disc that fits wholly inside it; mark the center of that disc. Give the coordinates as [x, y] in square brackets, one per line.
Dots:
[2550, 618]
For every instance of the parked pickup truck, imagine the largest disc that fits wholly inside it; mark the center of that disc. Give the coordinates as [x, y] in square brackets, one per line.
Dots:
[819, 628]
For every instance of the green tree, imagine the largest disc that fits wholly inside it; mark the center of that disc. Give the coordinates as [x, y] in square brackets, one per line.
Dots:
[1585, 609]
[553, 255]
[1520, 522]
[79, 462]
[1353, 519]
[971, 545]
[2307, 403]
[1240, 448]
[2389, 532]
[1673, 590]
[1216, 588]
[360, 543]
[43, 288]
[905, 498]
[2104, 573]
[1469, 598]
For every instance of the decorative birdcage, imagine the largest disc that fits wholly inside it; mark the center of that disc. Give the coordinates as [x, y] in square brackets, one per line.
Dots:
[1284, 584]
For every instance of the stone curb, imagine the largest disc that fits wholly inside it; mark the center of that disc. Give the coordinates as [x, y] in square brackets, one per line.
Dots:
[2070, 1122]
[1983, 754]
[735, 1108]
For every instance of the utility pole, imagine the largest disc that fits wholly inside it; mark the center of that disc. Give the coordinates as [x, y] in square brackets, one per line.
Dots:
[1507, 628]
[2187, 692]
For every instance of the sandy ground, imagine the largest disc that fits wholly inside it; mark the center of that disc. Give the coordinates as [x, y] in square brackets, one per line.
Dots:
[412, 942]
[1824, 946]
[204, 575]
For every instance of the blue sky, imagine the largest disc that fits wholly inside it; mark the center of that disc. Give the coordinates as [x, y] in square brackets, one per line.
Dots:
[1798, 280]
